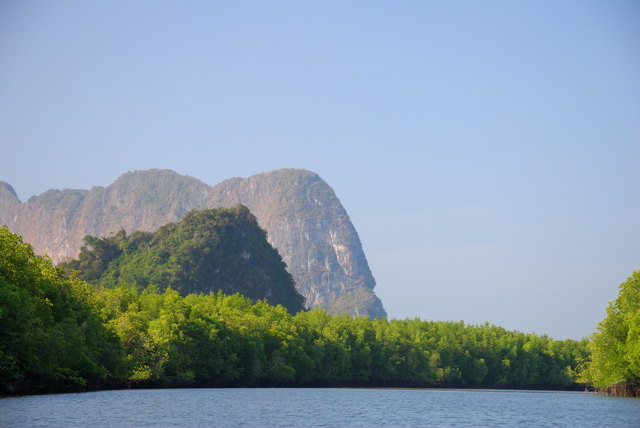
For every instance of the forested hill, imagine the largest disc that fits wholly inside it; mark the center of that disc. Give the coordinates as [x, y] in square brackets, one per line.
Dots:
[300, 212]
[208, 251]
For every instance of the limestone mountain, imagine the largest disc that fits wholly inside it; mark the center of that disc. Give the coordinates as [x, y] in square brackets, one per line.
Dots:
[301, 214]
[309, 226]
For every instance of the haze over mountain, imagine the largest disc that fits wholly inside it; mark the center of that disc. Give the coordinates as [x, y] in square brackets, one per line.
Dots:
[303, 217]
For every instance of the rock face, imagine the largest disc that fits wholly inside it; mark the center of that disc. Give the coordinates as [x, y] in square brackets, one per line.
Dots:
[303, 218]
[56, 221]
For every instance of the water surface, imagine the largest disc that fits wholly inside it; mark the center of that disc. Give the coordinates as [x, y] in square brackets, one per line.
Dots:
[320, 408]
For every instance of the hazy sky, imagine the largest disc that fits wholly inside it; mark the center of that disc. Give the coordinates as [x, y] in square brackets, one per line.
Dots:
[488, 152]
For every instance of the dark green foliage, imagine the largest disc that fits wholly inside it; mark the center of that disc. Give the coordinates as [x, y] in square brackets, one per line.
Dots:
[615, 360]
[210, 250]
[50, 335]
[58, 334]
[96, 255]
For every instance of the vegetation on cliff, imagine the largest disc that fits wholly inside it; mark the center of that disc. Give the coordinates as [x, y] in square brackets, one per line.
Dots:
[61, 334]
[614, 365]
[209, 250]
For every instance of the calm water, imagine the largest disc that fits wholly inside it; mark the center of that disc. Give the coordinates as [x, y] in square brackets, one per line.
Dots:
[320, 408]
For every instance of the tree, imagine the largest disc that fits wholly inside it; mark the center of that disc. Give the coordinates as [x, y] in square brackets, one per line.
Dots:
[615, 358]
[51, 337]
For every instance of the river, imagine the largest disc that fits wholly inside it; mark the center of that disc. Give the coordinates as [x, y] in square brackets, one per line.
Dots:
[312, 407]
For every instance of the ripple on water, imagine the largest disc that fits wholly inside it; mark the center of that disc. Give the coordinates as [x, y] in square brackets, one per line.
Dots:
[320, 408]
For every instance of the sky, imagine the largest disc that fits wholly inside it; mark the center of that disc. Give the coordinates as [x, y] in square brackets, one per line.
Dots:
[487, 152]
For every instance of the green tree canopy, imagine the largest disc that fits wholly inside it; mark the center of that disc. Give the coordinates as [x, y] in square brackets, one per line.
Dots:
[50, 334]
[615, 358]
[59, 334]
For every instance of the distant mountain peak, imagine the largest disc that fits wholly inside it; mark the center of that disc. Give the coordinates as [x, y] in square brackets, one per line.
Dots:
[7, 191]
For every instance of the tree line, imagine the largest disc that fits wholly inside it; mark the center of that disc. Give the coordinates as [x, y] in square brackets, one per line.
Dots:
[63, 334]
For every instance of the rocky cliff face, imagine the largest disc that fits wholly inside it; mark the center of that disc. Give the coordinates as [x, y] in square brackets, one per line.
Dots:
[307, 223]
[56, 221]
[303, 217]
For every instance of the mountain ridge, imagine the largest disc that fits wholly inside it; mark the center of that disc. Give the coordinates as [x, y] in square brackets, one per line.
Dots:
[300, 212]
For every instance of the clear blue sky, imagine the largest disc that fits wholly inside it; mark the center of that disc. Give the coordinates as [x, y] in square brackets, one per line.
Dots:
[487, 152]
